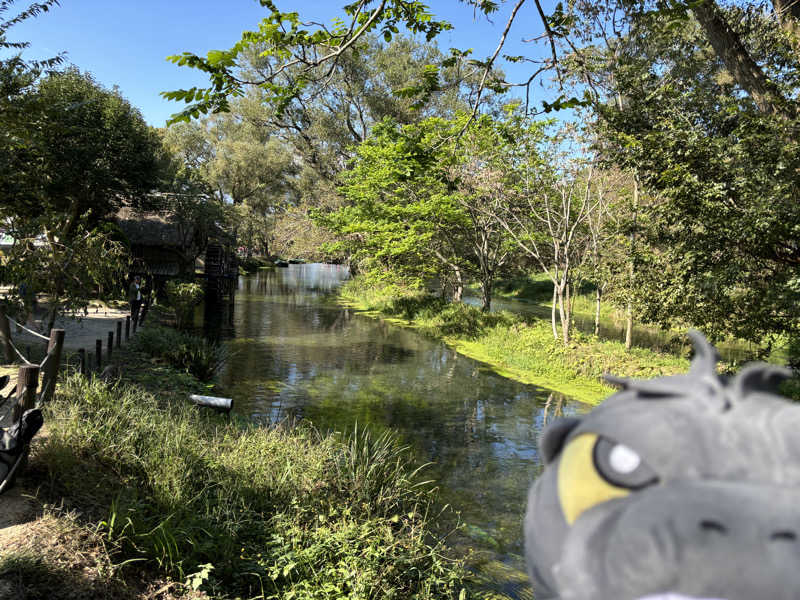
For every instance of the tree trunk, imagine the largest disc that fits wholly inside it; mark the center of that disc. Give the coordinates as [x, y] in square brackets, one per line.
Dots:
[631, 272]
[563, 310]
[486, 288]
[458, 286]
[53, 314]
[570, 301]
[598, 294]
[730, 49]
[5, 337]
[553, 312]
[566, 313]
[629, 326]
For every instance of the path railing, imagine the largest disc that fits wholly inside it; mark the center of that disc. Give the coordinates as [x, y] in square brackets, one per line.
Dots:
[26, 395]
[93, 361]
[29, 372]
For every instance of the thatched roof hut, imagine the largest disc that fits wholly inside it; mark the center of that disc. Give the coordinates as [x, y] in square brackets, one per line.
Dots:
[160, 243]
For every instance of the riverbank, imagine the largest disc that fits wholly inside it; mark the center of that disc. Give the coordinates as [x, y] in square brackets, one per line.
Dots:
[160, 499]
[520, 349]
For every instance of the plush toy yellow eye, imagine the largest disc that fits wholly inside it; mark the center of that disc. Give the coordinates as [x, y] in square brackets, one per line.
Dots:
[594, 469]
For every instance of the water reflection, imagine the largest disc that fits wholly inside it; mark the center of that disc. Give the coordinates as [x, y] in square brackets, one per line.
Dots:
[300, 355]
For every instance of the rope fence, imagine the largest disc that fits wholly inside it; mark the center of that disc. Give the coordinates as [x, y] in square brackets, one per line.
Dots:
[16, 404]
[11, 349]
[19, 354]
[51, 363]
[31, 331]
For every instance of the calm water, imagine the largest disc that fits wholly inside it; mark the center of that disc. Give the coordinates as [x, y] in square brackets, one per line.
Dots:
[300, 355]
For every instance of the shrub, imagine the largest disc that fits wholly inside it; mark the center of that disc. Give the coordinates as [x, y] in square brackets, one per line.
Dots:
[183, 297]
[252, 264]
[191, 353]
[461, 320]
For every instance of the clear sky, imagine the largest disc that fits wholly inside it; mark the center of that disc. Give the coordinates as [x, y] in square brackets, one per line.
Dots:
[126, 42]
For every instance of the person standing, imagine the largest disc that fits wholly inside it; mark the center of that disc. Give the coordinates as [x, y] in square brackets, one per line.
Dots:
[135, 298]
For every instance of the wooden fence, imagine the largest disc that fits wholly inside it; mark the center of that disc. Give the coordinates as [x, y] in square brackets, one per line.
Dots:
[28, 394]
[27, 391]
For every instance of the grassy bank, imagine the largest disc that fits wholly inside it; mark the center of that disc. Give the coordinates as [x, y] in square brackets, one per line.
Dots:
[248, 266]
[520, 349]
[232, 508]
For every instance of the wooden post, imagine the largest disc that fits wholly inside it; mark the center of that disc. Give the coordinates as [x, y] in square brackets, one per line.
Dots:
[127, 327]
[98, 347]
[52, 364]
[5, 336]
[27, 382]
[82, 361]
[119, 334]
[110, 344]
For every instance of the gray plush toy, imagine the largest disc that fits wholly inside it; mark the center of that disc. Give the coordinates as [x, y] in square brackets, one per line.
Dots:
[675, 488]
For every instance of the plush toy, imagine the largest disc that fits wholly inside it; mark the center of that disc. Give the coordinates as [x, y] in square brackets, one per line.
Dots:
[676, 488]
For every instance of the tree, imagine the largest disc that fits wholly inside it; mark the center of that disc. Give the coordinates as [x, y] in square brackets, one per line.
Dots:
[293, 58]
[480, 175]
[397, 216]
[76, 152]
[370, 82]
[68, 271]
[85, 150]
[235, 159]
[698, 99]
[17, 79]
[302, 53]
[723, 232]
[225, 158]
[416, 203]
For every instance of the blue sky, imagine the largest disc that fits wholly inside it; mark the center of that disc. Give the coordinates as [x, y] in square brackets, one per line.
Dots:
[126, 42]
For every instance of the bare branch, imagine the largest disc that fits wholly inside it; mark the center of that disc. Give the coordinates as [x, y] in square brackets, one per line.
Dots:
[551, 38]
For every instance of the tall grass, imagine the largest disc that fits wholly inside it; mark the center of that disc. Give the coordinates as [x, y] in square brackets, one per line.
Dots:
[241, 509]
[191, 353]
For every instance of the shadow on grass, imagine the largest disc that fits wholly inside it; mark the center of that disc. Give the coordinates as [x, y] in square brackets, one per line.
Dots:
[32, 576]
[533, 289]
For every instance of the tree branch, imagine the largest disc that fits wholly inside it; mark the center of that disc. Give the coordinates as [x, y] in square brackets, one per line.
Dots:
[730, 49]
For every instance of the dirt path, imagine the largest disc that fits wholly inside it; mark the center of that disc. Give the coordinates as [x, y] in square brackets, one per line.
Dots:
[16, 509]
[80, 332]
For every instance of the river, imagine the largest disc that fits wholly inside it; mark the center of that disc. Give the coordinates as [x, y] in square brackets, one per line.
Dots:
[300, 355]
